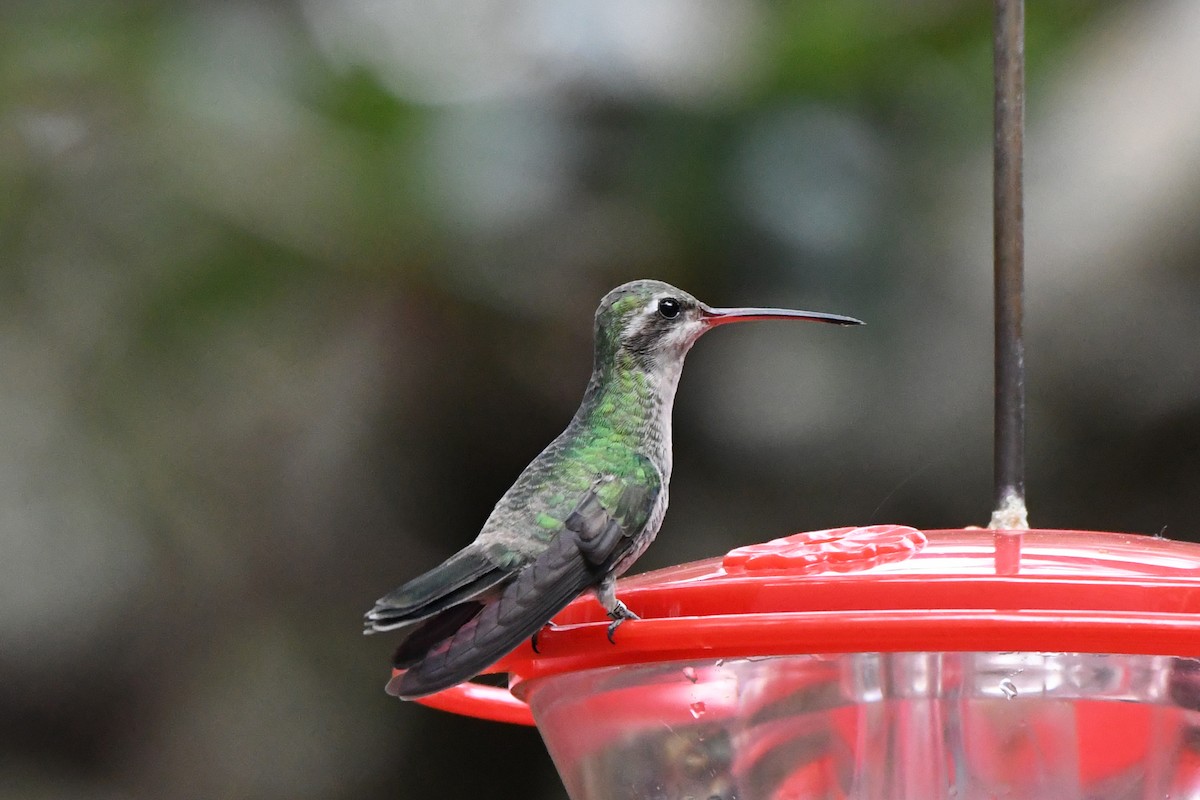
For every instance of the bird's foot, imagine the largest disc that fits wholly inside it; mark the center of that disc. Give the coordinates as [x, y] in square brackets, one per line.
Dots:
[618, 613]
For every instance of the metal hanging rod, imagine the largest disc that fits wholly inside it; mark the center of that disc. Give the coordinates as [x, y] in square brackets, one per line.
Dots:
[1008, 216]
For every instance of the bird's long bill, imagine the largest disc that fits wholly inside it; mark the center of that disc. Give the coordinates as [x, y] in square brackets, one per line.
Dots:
[722, 316]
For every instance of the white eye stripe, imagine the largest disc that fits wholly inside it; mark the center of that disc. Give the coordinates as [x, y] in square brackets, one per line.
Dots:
[651, 317]
[635, 325]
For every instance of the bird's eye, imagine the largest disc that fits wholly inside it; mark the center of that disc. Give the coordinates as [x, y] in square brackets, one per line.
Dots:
[669, 308]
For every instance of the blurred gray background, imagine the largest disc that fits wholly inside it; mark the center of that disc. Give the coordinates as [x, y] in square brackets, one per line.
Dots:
[291, 291]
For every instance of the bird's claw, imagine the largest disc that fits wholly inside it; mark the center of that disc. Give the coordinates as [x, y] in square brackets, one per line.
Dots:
[533, 640]
[619, 613]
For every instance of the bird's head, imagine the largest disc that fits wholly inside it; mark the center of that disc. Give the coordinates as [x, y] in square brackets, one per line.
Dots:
[656, 324]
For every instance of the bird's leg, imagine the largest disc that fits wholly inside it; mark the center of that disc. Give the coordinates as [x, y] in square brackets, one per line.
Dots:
[618, 612]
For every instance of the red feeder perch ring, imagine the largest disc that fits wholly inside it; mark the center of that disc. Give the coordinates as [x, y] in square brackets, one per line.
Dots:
[884, 588]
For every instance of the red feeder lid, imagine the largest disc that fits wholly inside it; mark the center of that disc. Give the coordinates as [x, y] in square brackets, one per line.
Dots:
[883, 588]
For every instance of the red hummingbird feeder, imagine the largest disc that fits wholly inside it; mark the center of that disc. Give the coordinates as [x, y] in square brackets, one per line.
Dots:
[888, 662]
[878, 662]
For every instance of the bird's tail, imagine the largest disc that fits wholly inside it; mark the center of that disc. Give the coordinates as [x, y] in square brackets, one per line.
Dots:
[462, 577]
[539, 591]
[432, 632]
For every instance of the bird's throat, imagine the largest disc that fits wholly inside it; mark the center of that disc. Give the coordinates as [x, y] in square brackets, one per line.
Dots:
[631, 405]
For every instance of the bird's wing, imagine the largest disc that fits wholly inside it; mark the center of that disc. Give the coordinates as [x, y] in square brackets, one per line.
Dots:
[595, 535]
[604, 530]
[465, 575]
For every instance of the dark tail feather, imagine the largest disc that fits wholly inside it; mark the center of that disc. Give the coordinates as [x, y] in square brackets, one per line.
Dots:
[432, 631]
[463, 576]
[540, 591]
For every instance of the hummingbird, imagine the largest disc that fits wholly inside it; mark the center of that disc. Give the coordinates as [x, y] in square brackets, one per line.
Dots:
[580, 514]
